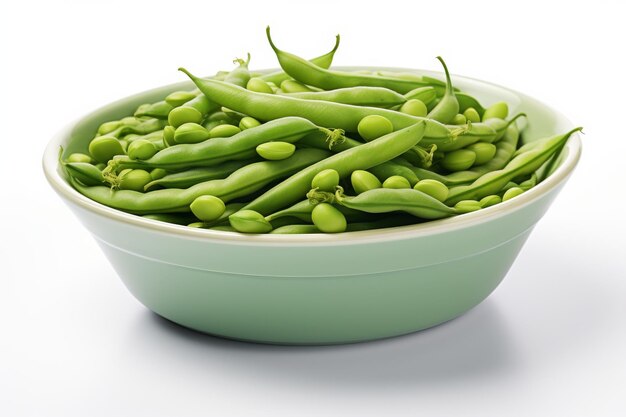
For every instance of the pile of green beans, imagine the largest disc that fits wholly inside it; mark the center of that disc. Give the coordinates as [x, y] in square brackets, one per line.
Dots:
[311, 149]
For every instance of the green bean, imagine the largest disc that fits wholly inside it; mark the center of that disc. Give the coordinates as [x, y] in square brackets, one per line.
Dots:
[310, 74]
[140, 127]
[414, 107]
[157, 174]
[471, 115]
[190, 133]
[249, 221]
[79, 157]
[267, 107]
[467, 206]
[231, 208]
[224, 131]
[84, 172]
[458, 160]
[433, 188]
[275, 151]
[218, 150]
[192, 111]
[448, 106]
[207, 208]
[178, 98]
[248, 123]
[459, 119]
[326, 180]
[328, 219]
[103, 148]
[490, 200]
[424, 94]
[523, 163]
[490, 131]
[257, 85]
[323, 61]
[160, 110]
[141, 149]
[466, 101]
[364, 156]
[293, 86]
[374, 126]
[498, 110]
[133, 179]
[240, 183]
[224, 228]
[396, 182]
[193, 176]
[358, 96]
[391, 168]
[240, 75]
[408, 200]
[363, 181]
[484, 152]
[511, 193]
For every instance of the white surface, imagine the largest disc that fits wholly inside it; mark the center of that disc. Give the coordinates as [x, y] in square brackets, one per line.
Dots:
[549, 341]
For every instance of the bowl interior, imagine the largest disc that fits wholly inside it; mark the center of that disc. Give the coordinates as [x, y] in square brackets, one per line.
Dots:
[544, 121]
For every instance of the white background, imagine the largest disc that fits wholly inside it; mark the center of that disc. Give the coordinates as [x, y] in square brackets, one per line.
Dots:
[551, 340]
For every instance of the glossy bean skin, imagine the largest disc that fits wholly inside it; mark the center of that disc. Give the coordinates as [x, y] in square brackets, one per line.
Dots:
[275, 151]
[192, 111]
[207, 208]
[178, 98]
[249, 221]
[296, 229]
[218, 150]
[267, 107]
[328, 219]
[358, 96]
[408, 200]
[240, 183]
[364, 156]
[85, 172]
[310, 74]
[362, 181]
[448, 106]
[193, 176]
[323, 61]
[159, 110]
[240, 75]
[524, 163]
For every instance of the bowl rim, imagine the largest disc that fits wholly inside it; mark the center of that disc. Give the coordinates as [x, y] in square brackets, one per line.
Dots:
[65, 190]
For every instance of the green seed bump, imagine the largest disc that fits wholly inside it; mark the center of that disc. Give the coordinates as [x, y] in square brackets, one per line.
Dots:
[190, 133]
[103, 148]
[79, 157]
[207, 208]
[433, 188]
[276, 151]
[484, 152]
[512, 193]
[328, 219]
[248, 123]
[467, 206]
[141, 149]
[458, 160]
[363, 181]
[168, 136]
[134, 179]
[224, 131]
[249, 221]
[459, 119]
[471, 115]
[374, 126]
[498, 110]
[182, 115]
[259, 86]
[490, 200]
[326, 180]
[396, 182]
[414, 107]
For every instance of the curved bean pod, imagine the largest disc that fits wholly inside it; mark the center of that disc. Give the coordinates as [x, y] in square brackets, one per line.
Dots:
[357, 96]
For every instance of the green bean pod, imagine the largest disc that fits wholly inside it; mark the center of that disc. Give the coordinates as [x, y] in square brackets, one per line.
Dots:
[408, 200]
[448, 106]
[142, 127]
[522, 164]
[159, 110]
[240, 75]
[357, 96]
[267, 107]
[362, 157]
[322, 61]
[84, 172]
[310, 74]
[424, 94]
[218, 150]
[240, 183]
[193, 176]
[466, 101]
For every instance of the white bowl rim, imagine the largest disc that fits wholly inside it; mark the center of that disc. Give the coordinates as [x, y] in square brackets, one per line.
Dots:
[65, 190]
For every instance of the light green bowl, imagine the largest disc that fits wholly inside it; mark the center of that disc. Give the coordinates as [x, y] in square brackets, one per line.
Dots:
[316, 289]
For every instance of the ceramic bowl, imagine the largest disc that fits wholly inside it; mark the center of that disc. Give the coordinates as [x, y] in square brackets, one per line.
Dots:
[316, 289]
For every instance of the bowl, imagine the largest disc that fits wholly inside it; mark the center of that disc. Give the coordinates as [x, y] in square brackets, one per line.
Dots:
[316, 289]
